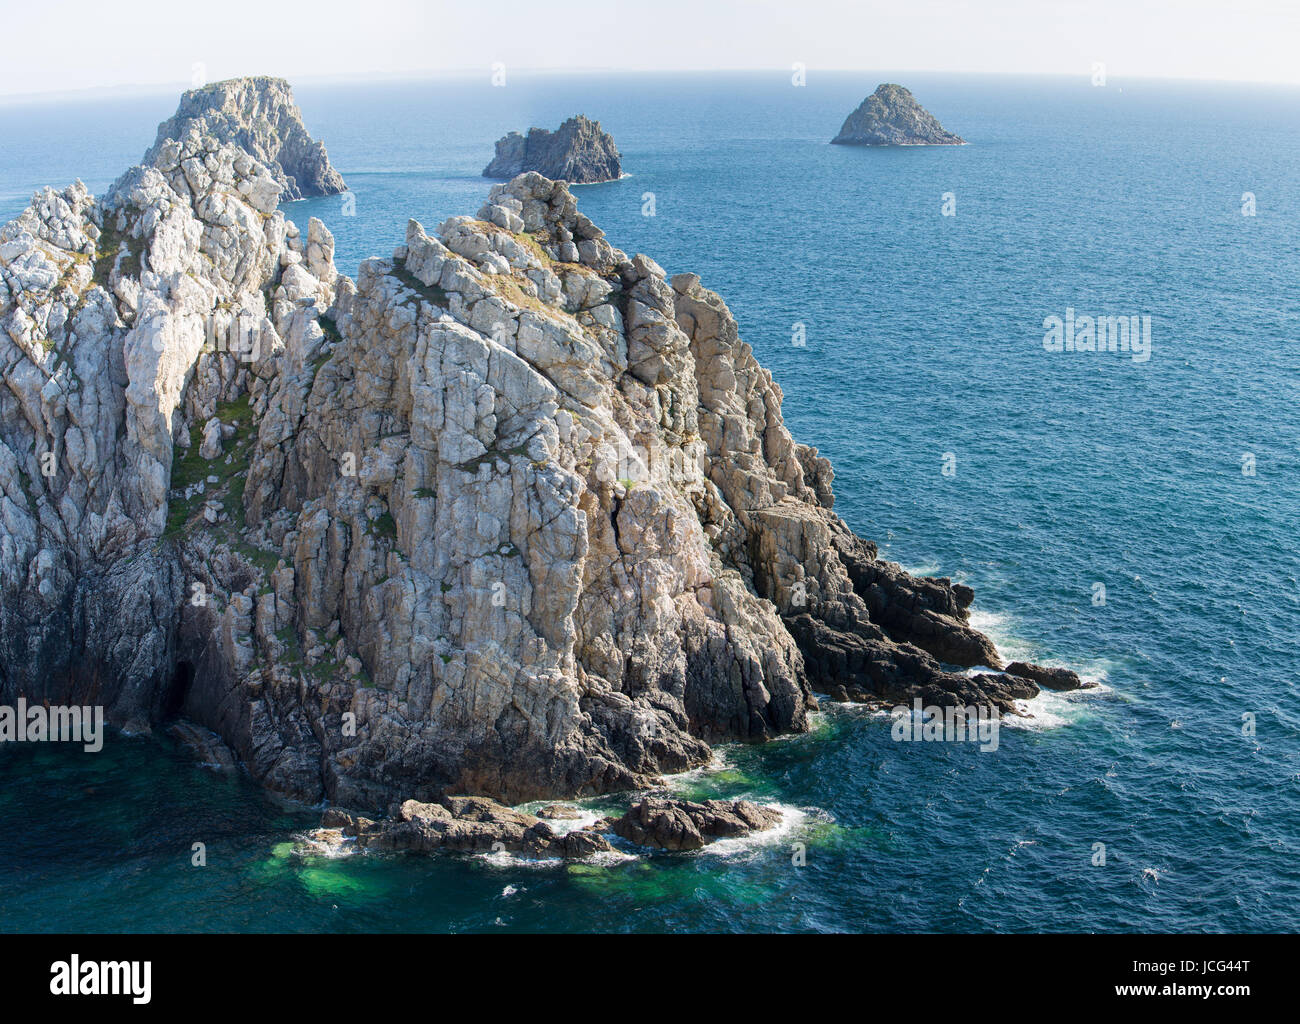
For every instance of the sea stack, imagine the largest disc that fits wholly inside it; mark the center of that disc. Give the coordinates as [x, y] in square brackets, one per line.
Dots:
[890, 116]
[511, 515]
[579, 151]
[259, 116]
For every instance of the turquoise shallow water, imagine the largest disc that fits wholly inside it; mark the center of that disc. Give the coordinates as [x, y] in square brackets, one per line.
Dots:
[923, 338]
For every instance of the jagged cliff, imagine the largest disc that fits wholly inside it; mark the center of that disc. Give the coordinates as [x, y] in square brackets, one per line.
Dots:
[259, 116]
[890, 116]
[579, 151]
[511, 514]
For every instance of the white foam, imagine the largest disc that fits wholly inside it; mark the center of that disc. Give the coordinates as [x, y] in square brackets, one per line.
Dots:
[306, 844]
[563, 826]
[684, 780]
[921, 571]
[999, 627]
[608, 858]
[506, 859]
[583, 184]
[1049, 710]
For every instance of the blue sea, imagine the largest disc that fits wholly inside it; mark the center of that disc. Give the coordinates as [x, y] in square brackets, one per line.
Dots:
[1173, 483]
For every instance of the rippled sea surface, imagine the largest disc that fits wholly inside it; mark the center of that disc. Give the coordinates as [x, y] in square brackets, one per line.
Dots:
[923, 339]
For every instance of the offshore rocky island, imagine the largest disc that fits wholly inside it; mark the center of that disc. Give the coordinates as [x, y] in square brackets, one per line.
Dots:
[579, 151]
[512, 516]
[890, 116]
[261, 118]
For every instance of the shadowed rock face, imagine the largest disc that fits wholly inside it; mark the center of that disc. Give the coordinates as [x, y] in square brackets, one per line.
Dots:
[579, 151]
[890, 116]
[259, 116]
[512, 514]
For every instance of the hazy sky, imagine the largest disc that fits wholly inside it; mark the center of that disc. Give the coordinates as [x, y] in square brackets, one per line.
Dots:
[84, 44]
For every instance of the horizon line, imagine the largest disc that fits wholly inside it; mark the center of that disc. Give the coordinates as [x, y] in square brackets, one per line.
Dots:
[369, 77]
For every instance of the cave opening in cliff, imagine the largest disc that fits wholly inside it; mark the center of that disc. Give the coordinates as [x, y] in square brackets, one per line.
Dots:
[178, 689]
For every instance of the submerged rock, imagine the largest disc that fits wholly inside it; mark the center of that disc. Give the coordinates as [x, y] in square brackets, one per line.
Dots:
[259, 116]
[558, 812]
[890, 116]
[204, 746]
[578, 151]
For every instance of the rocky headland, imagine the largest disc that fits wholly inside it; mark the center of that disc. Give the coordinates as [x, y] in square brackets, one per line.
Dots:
[579, 151]
[259, 116]
[513, 514]
[890, 116]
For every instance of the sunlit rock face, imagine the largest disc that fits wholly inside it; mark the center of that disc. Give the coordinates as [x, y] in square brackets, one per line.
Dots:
[259, 116]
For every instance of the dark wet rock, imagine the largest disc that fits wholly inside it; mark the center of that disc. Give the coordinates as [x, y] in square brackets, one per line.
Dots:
[890, 116]
[346, 823]
[579, 151]
[930, 613]
[861, 664]
[460, 824]
[1048, 678]
[685, 825]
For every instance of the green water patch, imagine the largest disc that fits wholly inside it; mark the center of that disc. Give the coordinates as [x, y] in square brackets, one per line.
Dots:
[327, 879]
[729, 782]
[353, 877]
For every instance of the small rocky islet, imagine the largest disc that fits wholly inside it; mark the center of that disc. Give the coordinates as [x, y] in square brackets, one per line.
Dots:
[890, 116]
[579, 152]
[513, 516]
[259, 116]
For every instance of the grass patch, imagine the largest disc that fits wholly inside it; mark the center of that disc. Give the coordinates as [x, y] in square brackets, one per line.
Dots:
[25, 482]
[107, 248]
[383, 526]
[431, 293]
[191, 468]
[509, 289]
[330, 329]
